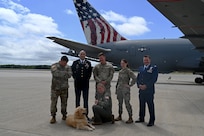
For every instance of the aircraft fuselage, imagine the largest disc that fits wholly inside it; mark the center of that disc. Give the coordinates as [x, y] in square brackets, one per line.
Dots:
[168, 54]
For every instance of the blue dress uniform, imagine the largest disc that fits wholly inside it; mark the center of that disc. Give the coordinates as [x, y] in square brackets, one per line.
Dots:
[81, 73]
[147, 76]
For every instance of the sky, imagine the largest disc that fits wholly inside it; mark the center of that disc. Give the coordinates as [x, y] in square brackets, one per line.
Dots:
[25, 24]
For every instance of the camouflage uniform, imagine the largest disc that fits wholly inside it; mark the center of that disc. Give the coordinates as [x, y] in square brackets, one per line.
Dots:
[59, 87]
[104, 72]
[103, 110]
[122, 89]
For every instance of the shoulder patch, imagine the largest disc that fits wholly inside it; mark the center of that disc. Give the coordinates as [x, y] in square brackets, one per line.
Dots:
[54, 67]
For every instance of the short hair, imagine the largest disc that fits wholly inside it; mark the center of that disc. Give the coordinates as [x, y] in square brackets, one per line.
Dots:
[82, 51]
[64, 58]
[147, 56]
[101, 54]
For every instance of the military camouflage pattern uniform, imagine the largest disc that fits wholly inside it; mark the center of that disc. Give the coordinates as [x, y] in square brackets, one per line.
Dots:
[59, 87]
[104, 72]
[123, 89]
[103, 110]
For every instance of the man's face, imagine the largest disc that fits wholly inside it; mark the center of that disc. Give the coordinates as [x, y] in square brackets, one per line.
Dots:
[102, 59]
[146, 61]
[63, 63]
[82, 55]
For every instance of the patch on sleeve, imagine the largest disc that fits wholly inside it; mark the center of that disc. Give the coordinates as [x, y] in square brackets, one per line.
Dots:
[106, 97]
[54, 67]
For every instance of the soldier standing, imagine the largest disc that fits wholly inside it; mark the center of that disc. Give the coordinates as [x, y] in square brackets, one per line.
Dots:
[102, 108]
[146, 78]
[82, 70]
[123, 89]
[103, 73]
[59, 87]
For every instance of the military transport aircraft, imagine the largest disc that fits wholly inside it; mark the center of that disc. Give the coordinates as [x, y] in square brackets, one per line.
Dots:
[182, 54]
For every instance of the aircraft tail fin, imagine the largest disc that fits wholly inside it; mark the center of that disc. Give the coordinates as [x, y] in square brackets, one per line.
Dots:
[96, 29]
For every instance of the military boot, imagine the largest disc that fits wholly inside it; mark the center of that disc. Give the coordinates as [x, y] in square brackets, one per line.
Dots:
[64, 117]
[53, 120]
[129, 120]
[118, 118]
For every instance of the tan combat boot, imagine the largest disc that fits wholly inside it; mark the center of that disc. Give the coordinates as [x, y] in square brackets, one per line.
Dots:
[118, 118]
[53, 120]
[129, 120]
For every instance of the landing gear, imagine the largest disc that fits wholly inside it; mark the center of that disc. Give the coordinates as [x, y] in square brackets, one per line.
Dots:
[199, 80]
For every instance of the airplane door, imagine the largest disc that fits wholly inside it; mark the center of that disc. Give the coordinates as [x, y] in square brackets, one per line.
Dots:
[132, 51]
[133, 56]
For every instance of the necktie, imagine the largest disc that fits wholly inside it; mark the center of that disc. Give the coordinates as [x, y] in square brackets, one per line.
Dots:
[145, 67]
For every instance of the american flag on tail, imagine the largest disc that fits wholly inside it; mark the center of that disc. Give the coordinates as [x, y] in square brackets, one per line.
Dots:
[96, 29]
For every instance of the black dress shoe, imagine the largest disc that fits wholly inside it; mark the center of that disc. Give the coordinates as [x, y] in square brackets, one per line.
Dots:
[139, 121]
[96, 123]
[112, 119]
[89, 119]
[150, 124]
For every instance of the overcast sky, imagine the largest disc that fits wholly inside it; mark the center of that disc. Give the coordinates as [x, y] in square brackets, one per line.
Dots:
[24, 25]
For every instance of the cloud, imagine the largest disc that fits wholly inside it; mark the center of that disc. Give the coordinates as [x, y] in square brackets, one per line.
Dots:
[69, 12]
[23, 36]
[14, 6]
[132, 26]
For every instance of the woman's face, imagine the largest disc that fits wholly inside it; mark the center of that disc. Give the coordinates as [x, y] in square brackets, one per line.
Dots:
[123, 64]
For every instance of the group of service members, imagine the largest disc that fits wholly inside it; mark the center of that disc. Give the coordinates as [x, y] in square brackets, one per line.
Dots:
[81, 70]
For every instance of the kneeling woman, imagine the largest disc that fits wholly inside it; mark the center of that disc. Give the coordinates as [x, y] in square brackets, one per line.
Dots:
[102, 108]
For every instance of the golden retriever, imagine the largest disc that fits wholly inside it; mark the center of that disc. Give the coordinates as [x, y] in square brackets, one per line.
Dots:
[79, 120]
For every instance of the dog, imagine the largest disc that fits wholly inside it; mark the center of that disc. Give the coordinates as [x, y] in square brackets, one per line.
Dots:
[78, 120]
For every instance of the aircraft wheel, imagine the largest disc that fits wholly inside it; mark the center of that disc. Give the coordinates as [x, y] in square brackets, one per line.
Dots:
[198, 80]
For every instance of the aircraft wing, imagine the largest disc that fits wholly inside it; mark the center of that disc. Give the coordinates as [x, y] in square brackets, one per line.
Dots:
[91, 50]
[187, 15]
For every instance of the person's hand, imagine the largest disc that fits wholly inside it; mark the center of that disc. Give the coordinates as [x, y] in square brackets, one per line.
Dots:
[143, 87]
[103, 82]
[96, 102]
[126, 85]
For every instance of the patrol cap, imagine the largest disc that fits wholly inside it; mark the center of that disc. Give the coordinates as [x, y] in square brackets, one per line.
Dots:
[64, 58]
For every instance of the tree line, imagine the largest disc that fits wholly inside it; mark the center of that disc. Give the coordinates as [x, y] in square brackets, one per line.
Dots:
[12, 66]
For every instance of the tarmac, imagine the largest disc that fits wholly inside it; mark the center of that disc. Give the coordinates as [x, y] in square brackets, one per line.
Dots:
[25, 107]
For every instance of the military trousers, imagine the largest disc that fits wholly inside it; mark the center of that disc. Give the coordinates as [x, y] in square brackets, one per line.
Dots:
[63, 94]
[84, 89]
[124, 95]
[101, 115]
[149, 99]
